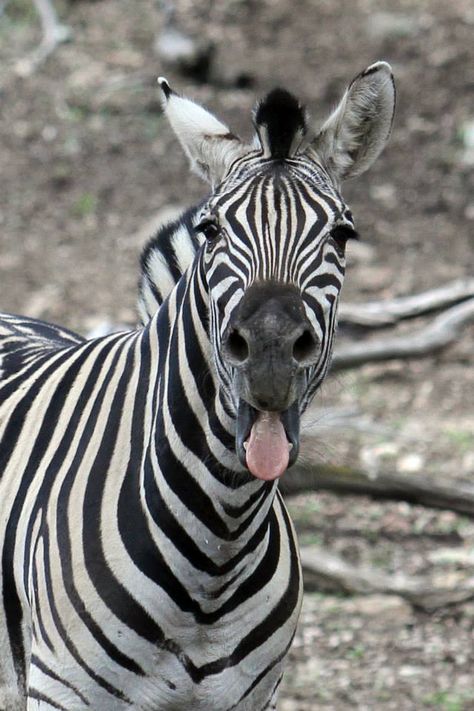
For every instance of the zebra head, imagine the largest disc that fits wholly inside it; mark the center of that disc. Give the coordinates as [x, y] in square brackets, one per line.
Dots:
[274, 231]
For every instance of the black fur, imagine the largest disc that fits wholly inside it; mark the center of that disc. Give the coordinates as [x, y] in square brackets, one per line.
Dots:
[165, 88]
[283, 116]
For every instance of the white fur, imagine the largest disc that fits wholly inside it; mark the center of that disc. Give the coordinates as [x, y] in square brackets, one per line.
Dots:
[206, 141]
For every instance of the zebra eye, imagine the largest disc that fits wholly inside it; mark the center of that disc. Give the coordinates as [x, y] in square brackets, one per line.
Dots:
[341, 234]
[210, 228]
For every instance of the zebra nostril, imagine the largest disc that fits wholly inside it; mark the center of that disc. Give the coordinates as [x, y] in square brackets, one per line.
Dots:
[236, 347]
[305, 347]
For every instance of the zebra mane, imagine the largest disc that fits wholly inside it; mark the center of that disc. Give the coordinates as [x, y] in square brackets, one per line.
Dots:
[281, 124]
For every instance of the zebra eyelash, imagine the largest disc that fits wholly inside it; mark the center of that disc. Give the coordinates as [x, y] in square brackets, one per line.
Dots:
[209, 227]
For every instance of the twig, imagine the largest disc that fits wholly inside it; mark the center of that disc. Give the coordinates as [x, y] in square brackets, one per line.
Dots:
[54, 33]
[324, 571]
[429, 491]
[387, 313]
[441, 332]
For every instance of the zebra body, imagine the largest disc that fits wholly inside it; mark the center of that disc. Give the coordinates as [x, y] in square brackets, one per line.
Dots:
[148, 561]
[115, 650]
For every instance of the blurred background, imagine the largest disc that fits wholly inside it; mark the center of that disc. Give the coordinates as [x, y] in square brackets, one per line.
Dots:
[89, 167]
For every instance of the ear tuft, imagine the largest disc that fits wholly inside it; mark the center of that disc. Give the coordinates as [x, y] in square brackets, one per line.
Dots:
[280, 121]
[377, 67]
[165, 87]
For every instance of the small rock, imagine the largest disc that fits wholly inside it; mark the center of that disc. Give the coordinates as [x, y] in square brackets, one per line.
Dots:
[468, 463]
[371, 455]
[469, 211]
[182, 53]
[49, 133]
[466, 133]
[385, 193]
[410, 463]
[409, 672]
[174, 47]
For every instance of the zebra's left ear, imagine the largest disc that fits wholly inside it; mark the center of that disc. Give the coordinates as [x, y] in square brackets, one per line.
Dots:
[209, 144]
[356, 132]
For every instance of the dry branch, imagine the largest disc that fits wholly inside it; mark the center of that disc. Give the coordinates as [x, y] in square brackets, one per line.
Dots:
[387, 313]
[426, 491]
[54, 33]
[441, 332]
[325, 572]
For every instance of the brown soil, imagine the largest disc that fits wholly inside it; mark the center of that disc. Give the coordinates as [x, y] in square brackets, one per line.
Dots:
[87, 161]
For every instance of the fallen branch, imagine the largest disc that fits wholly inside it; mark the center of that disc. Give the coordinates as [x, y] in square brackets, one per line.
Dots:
[387, 313]
[54, 33]
[441, 332]
[426, 491]
[325, 572]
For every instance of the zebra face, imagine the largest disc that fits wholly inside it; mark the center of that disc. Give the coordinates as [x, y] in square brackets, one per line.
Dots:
[275, 235]
[275, 229]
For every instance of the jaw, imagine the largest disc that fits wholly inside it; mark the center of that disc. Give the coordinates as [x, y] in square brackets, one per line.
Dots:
[267, 442]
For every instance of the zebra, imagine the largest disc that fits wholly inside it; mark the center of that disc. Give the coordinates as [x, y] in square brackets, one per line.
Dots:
[148, 560]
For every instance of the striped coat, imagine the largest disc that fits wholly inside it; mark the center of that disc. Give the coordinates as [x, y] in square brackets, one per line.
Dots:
[148, 561]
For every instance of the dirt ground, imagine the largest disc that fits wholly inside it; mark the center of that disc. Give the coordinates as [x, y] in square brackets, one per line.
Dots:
[87, 163]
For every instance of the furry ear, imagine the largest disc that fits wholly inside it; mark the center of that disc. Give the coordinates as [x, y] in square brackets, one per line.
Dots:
[209, 144]
[356, 132]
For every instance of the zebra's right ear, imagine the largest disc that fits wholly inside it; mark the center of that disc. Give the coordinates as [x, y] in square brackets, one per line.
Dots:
[356, 132]
[209, 144]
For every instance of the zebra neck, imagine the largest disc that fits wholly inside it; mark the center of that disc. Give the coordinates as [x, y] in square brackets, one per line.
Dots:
[192, 473]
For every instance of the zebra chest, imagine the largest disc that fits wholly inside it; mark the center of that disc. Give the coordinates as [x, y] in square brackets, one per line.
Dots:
[144, 627]
[232, 664]
[218, 667]
[151, 647]
[233, 689]
[220, 685]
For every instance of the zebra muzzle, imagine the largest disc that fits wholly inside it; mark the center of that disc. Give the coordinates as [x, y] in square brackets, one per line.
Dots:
[267, 442]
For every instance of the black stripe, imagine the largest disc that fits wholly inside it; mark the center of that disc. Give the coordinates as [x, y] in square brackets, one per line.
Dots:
[49, 672]
[64, 632]
[39, 696]
[94, 558]
[11, 600]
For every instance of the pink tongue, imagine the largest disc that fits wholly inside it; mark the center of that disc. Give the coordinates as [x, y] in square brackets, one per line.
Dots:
[267, 448]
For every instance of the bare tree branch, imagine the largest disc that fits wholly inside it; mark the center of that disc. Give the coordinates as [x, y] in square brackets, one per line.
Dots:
[429, 491]
[387, 313]
[441, 332]
[54, 33]
[325, 572]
